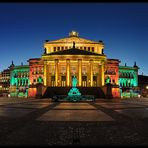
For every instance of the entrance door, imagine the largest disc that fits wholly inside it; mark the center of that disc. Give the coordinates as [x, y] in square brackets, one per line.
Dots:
[63, 81]
[52, 80]
[84, 81]
[95, 81]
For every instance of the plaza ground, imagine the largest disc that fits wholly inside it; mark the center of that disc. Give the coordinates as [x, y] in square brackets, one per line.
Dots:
[103, 122]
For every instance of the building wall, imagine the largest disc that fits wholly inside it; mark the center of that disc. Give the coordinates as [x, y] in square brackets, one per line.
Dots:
[112, 71]
[59, 70]
[36, 71]
[19, 81]
[128, 76]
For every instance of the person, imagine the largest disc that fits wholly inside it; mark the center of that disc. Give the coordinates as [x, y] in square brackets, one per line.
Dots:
[74, 81]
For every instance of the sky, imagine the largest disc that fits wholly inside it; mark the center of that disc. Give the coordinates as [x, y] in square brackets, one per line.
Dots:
[123, 27]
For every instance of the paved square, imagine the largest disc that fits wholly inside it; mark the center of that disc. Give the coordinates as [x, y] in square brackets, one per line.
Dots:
[28, 105]
[118, 106]
[138, 113]
[14, 112]
[75, 115]
[74, 106]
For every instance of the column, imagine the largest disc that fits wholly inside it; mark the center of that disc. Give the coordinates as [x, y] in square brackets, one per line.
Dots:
[56, 72]
[68, 72]
[45, 73]
[91, 73]
[79, 72]
[102, 73]
[100, 76]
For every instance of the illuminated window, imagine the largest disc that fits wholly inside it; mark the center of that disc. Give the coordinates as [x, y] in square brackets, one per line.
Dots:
[94, 80]
[41, 69]
[84, 81]
[52, 80]
[63, 81]
[40, 80]
[113, 81]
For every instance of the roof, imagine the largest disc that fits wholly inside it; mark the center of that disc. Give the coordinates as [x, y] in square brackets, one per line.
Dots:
[73, 36]
[21, 66]
[74, 51]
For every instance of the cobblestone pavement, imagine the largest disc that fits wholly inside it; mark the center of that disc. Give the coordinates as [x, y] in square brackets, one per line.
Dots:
[103, 122]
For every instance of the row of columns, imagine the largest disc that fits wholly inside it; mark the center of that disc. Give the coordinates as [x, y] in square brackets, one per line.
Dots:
[68, 72]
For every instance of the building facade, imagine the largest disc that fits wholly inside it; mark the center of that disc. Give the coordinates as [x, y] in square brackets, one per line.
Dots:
[19, 81]
[143, 85]
[5, 79]
[64, 58]
[74, 56]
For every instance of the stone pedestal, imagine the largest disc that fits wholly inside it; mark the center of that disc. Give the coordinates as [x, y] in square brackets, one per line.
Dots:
[111, 91]
[107, 89]
[109, 94]
[40, 89]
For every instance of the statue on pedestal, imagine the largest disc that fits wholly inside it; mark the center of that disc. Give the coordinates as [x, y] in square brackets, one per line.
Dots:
[74, 81]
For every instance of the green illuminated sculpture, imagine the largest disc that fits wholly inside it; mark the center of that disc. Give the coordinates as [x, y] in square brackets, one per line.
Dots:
[108, 80]
[74, 93]
[74, 81]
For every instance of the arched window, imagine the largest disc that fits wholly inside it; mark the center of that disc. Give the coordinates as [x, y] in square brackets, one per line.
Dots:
[40, 80]
[54, 49]
[107, 80]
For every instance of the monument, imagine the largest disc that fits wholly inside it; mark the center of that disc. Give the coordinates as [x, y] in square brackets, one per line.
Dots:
[74, 93]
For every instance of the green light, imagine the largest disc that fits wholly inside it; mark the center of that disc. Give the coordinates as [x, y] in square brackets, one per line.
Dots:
[74, 93]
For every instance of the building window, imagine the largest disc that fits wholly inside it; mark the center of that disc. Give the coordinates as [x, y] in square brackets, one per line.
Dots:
[84, 81]
[80, 47]
[84, 48]
[52, 80]
[63, 81]
[92, 49]
[62, 48]
[54, 49]
[88, 48]
[66, 47]
[94, 81]
[58, 48]
[40, 80]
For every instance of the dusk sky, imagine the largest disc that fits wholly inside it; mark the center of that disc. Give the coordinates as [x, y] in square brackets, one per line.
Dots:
[123, 27]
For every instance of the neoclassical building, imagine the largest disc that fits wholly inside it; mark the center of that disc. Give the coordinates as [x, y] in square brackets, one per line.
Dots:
[64, 58]
[71, 56]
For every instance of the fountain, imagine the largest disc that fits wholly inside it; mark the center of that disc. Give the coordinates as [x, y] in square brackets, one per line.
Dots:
[74, 93]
